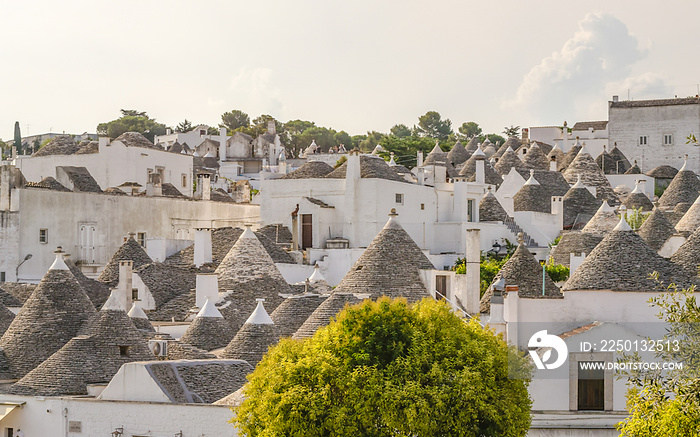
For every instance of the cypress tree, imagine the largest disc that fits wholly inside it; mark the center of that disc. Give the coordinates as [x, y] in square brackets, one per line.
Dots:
[18, 138]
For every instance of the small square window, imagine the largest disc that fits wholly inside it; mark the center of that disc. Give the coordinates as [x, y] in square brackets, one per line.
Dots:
[135, 294]
[184, 180]
[141, 238]
[399, 198]
[2, 276]
[43, 236]
[124, 351]
[668, 139]
[642, 140]
[422, 206]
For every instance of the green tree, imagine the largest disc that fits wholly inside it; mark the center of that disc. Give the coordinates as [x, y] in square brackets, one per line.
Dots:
[132, 121]
[512, 131]
[494, 138]
[405, 148]
[234, 119]
[469, 130]
[294, 129]
[433, 126]
[388, 369]
[344, 138]
[400, 131]
[18, 138]
[371, 140]
[667, 403]
[184, 126]
[324, 137]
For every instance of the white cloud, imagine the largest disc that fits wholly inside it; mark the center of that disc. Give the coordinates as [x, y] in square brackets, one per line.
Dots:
[574, 82]
[252, 92]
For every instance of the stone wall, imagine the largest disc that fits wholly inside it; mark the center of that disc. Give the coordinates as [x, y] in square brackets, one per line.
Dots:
[9, 244]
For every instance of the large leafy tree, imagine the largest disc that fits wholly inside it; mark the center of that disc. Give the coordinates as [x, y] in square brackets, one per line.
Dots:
[294, 129]
[388, 369]
[400, 130]
[132, 121]
[184, 126]
[469, 130]
[234, 119]
[432, 125]
[667, 403]
[405, 148]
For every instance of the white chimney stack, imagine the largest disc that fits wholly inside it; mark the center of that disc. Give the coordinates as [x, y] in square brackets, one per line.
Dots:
[205, 181]
[125, 286]
[5, 187]
[473, 266]
[222, 144]
[202, 246]
[553, 164]
[480, 171]
[419, 158]
[207, 288]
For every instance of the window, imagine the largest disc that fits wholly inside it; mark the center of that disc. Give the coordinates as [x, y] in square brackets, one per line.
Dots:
[43, 236]
[470, 210]
[642, 140]
[422, 206]
[668, 139]
[399, 198]
[9, 432]
[141, 238]
[124, 351]
[184, 180]
[135, 294]
[2, 276]
[202, 132]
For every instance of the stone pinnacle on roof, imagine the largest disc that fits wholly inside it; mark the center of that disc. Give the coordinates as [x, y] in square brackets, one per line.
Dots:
[316, 276]
[52, 315]
[259, 315]
[623, 262]
[139, 318]
[683, 189]
[58, 263]
[391, 161]
[130, 250]
[390, 266]
[656, 229]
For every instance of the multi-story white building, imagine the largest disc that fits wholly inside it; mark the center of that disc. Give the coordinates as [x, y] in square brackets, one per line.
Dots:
[654, 132]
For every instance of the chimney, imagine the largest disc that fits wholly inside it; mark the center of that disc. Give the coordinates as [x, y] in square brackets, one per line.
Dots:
[103, 142]
[14, 153]
[353, 169]
[125, 286]
[616, 99]
[419, 158]
[557, 209]
[168, 131]
[222, 144]
[5, 187]
[207, 288]
[575, 260]
[473, 266]
[205, 181]
[553, 163]
[480, 171]
[271, 127]
[496, 320]
[565, 138]
[202, 246]
[525, 135]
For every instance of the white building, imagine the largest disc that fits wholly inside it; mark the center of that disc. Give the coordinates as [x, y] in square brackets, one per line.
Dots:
[654, 132]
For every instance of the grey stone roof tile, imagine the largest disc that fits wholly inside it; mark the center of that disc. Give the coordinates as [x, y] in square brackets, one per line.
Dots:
[688, 255]
[458, 154]
[535, 159]
[656, 229]
[579, 206]
[208, 333]
[638, 200]
[293, 312]
[508, 160]
[490, 209]
[324, 313]
[370, 167]
[573, 242]
[310, 170]
[663, 172]
[683, 188]
[130, 250]
[60, 145]
[591, 176]
[690, 220]
[135, 139]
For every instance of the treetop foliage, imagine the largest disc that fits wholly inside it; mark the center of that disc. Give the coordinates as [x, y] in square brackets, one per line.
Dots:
[132, 121]
[386, 368]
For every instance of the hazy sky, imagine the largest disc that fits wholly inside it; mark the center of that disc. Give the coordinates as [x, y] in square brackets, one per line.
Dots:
[354, 66]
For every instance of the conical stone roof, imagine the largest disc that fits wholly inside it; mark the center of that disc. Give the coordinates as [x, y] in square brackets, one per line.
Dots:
[634, 169]
[310, 170]
[253, 339]
[458, 154]
[250, 273]
[557, 154]
[688, 255]
[323, 314]
[605, 162]
[573, 242]
[623, 262]
[490, 209]
[690, 220]
[682, 189]
[591, 176]
[656, 229]
[622, 164]
[523, 270]
[468, 170]
[96, 290]
[95, 355]
[663, 172]
[52, 315]
[536, 159]
[508, 160]
[532, 197]
[293, 312]
[139, 318]
[472, 145]
[638, 200]
[6, 318]
[209, 330]
[603, 221]
[579, 205]
[569, 157]
[390, 266]
[131, 250]
[512, 142]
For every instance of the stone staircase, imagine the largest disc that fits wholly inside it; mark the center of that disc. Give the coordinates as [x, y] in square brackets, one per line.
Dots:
[515, 229]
